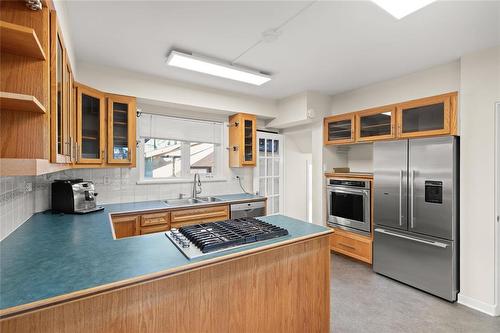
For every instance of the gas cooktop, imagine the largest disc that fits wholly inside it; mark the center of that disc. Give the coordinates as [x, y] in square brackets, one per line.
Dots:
[202, 239]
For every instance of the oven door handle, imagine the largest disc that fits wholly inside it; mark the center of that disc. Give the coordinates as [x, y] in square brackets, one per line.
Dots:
[353, 191]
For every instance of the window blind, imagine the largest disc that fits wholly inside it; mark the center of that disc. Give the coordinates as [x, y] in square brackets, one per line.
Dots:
[165, 127]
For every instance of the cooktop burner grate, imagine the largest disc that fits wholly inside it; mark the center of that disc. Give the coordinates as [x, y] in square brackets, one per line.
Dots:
[201, 239]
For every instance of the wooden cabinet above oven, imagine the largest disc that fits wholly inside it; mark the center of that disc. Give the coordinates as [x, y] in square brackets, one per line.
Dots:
[430, 116]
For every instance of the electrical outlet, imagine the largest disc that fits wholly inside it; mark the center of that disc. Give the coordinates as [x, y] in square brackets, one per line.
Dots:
[28, 187]
[106, 180]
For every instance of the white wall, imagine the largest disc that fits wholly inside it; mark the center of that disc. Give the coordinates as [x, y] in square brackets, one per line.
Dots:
[433, 81]
[479, 90]
[297, 154]
[173, 93]
[299, 109]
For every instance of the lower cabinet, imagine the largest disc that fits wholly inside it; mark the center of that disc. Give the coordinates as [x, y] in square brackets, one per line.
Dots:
[189, 216]
[127, 225]
[155, 228]
[352, 245]
[154, 219]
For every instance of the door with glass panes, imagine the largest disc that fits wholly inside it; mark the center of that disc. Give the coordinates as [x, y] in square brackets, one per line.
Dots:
[268, 173]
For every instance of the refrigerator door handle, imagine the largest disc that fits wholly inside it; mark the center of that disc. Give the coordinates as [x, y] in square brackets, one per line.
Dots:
[400, 196]
[412, 179]
[433, 243]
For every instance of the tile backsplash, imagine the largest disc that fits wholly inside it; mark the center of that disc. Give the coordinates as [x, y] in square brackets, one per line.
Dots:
[17, 205]
[114, 185]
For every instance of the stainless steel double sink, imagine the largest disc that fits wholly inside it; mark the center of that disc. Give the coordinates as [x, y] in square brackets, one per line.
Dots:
[191, 201]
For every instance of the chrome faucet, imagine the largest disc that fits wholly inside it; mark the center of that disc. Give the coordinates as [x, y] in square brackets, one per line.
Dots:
[196, 183]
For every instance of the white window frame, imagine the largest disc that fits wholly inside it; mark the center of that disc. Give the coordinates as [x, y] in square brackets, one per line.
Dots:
[221, 164]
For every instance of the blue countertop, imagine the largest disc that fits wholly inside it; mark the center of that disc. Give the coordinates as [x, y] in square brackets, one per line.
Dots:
[55, 254]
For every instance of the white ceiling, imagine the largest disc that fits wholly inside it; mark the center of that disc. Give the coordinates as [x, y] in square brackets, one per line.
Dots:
[331, 47]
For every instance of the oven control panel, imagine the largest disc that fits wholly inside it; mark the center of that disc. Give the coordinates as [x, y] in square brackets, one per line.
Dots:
[349, 183]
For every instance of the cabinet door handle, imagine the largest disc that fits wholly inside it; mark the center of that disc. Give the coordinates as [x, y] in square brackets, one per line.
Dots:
[412, 180]
[400, 196]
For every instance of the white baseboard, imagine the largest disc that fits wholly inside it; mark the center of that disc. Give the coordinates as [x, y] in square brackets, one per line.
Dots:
[489, 309]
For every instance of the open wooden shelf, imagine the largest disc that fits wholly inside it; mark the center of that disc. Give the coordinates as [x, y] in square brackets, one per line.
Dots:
[20, 40]
[20, 102]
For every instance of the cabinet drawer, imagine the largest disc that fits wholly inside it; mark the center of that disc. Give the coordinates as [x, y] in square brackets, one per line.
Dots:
[154, 228]
[352, 246]
[199, 215]
[155, 218]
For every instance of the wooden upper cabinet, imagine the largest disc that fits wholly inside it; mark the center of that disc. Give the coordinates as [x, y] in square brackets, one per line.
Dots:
[91, 139]
[60, 120]
[430, 116]
[121, 129]
[376, 124]
[339, 129]
[427, 116]
[242, 140]
[71, 105]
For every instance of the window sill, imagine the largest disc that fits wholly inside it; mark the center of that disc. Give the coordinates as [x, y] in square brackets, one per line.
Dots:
[179, 181]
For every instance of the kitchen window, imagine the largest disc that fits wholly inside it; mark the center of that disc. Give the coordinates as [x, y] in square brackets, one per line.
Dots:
[174, 149]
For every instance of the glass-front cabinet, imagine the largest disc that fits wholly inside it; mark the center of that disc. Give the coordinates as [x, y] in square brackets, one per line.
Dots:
[376, 124]
[242, 140]
[428, 116]
[339, 129]
[249, 141]
[60, 94]
[90, 125]
[121, 129]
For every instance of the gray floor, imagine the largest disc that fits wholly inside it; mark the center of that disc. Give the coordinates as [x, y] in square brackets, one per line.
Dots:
[362, 301]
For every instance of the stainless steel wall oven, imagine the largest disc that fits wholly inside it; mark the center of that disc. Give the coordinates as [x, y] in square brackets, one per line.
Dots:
[349, 205]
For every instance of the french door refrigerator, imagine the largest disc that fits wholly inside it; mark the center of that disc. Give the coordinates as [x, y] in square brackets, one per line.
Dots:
[416, 213]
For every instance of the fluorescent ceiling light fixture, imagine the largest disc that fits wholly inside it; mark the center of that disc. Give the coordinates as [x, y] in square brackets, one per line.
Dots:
[216, 68]
[402, 8]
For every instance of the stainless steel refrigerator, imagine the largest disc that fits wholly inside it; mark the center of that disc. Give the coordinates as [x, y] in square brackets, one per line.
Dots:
[416, 213]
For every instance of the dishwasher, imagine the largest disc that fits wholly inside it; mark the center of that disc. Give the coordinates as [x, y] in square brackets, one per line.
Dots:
[248, 209]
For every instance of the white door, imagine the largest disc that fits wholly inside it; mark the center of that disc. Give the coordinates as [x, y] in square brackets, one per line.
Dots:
[268, 174]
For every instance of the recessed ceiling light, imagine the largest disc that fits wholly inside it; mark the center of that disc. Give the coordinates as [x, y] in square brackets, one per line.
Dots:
[216, 68]
[402, 8]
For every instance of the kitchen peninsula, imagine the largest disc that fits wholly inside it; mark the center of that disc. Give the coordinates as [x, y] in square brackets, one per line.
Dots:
[66, 273]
